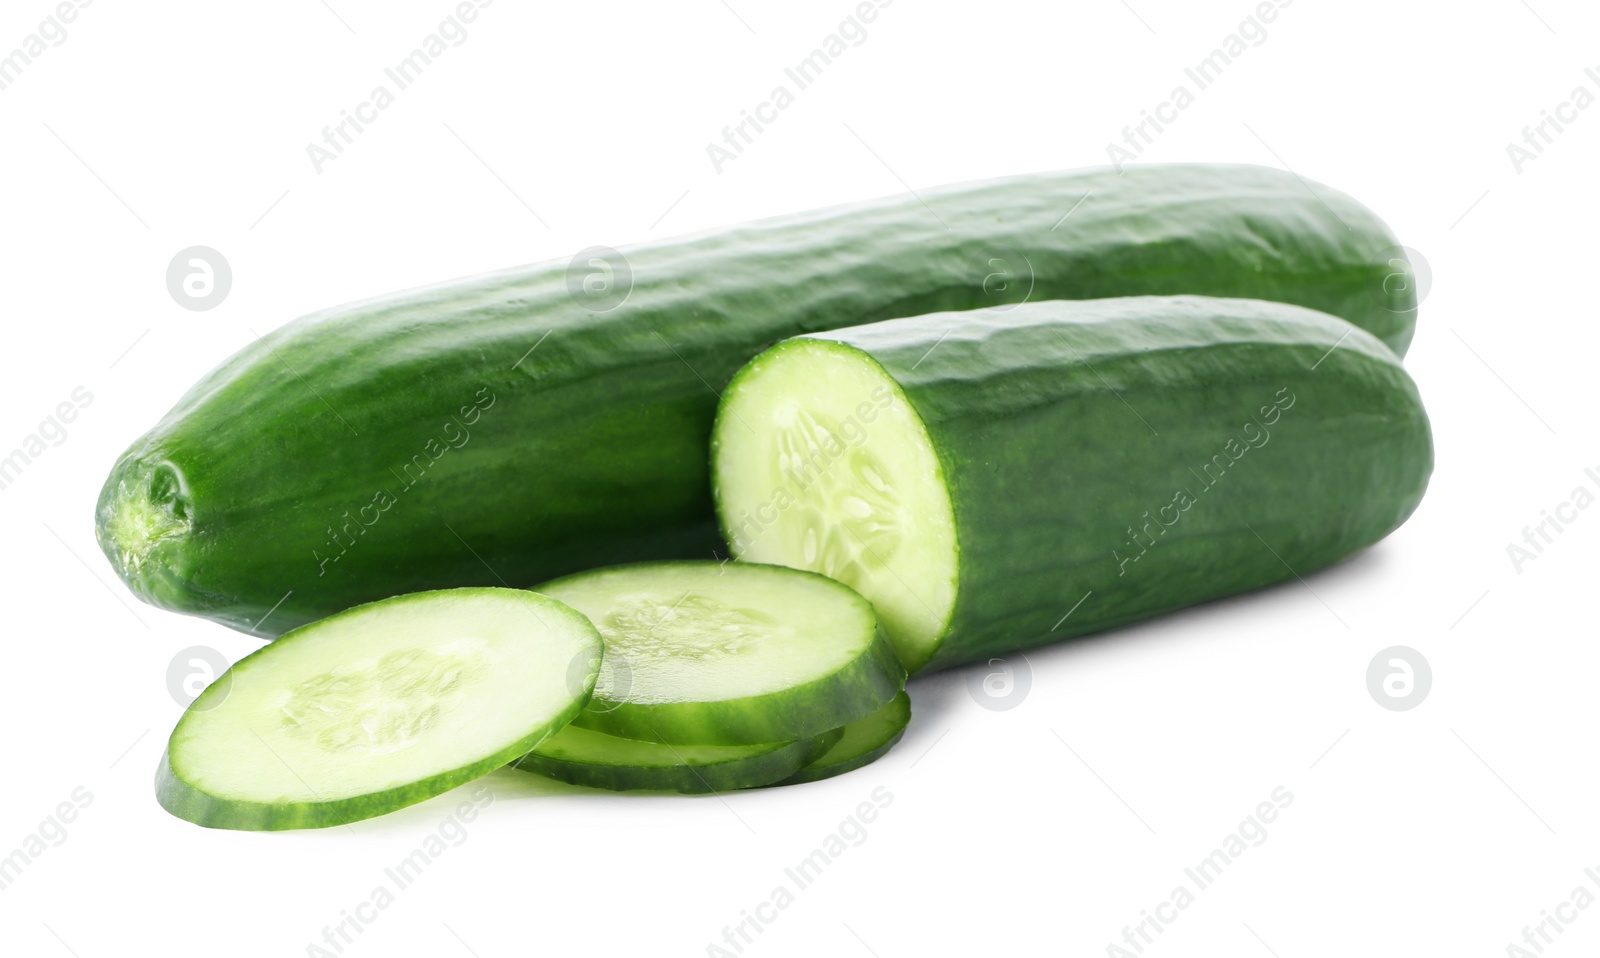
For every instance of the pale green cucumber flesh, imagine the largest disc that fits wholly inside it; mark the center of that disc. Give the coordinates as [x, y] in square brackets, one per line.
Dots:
[377, 708]
[837, 474]
[863, 742]
[729, 653]
[585, 757]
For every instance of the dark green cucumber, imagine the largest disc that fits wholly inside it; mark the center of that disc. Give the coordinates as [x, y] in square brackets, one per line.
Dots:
[709, 653]
[994, 482]
[515, 426]
[377, 708]
[863, 742]
[583, 757]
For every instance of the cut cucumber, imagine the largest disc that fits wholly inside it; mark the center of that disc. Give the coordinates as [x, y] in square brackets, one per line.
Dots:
[993, 481]
[707, 653]
[584, 757]
[377, 708]
[863, 742]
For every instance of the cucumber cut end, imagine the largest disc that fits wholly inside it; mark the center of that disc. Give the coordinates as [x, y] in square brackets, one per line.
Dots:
[820, 462]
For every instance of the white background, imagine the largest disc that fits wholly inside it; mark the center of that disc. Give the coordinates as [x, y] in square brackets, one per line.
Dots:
[1043, 829]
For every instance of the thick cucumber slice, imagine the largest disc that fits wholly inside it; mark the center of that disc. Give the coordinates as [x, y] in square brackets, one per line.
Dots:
[863, 742]
[707, 653]
[598, 760]
[377, 708]
[837, 474]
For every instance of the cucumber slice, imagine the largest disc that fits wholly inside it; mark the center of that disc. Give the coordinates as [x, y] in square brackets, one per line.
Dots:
[585, 757]
[838, 475]
[707, 653]
[862, 742]
[377, 708]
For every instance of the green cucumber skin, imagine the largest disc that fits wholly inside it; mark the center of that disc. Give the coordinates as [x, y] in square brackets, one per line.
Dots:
[194, 805]
[590, 450]
[803, 711]
[184, 801]
[753, 772]
[1049, 469]
[826, 766]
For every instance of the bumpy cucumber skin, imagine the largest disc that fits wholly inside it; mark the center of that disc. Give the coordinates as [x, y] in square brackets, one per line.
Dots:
[799, 712]
[191, 804]
[1059, 425]
[873, 744]
[279, 483]
[754, 771]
